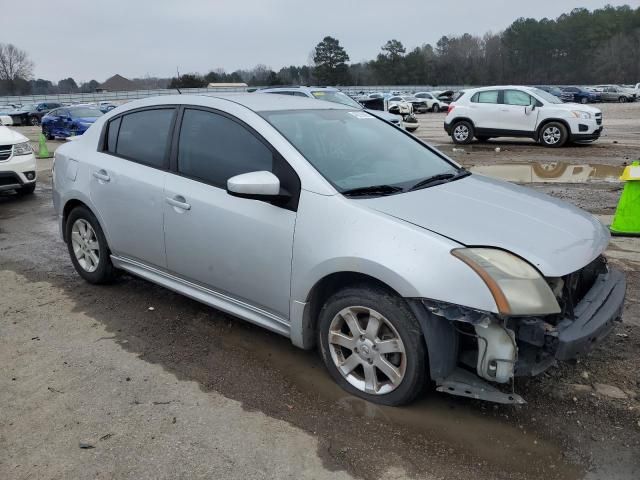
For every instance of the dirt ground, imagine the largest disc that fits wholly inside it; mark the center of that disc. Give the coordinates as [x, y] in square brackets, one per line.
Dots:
[155, 385]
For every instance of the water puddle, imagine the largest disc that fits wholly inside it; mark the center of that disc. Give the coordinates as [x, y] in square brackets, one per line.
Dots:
[554, 172]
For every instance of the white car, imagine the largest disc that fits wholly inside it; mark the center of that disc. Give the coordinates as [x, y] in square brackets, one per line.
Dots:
[17, 162]
[433, 102]
[516, 111]
[5, 120]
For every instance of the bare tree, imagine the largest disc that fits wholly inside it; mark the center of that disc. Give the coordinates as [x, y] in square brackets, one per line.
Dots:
[14, 63]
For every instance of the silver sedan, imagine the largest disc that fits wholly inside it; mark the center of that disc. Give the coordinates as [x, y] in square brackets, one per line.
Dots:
[329, 226]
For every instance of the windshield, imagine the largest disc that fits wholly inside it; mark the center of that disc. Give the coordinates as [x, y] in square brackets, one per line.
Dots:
[85, 112]
[26, 108]
[356, 150]
[336, 97]
[546, 96]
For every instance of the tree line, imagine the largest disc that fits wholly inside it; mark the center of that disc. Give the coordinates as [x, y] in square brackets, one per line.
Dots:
[579, 47]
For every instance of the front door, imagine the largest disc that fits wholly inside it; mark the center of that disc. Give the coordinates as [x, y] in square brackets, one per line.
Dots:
[238, 247]
[516, 112]
[127, 183]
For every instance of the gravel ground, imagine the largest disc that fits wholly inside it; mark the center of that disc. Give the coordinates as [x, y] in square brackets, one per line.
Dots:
[160, 386]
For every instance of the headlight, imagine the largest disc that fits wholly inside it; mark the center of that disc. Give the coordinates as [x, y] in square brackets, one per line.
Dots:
[517, 287]
[22, 149]
[579, 114]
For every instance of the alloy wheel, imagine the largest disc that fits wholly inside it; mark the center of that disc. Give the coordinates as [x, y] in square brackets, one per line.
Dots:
[551, 135]
[85, 245]
[367, 350]
[34, 121]
[461, 133]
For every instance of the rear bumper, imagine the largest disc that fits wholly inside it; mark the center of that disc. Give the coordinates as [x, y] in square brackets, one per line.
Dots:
[447, 128]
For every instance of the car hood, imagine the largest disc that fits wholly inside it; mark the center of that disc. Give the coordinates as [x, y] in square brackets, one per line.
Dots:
[554, 236]
[576, 106]
[11, 137]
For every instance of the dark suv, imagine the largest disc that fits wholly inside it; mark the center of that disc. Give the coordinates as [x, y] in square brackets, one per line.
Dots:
[32, 113]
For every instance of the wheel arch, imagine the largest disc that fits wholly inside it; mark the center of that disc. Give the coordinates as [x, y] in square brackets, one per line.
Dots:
[305, 314]
[462, 119]
[78, 201]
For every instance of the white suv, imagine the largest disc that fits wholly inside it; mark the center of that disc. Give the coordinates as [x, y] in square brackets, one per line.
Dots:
[17, 162]
[511, 111]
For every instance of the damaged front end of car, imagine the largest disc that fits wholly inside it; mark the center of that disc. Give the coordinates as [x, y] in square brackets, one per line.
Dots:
[540, 321]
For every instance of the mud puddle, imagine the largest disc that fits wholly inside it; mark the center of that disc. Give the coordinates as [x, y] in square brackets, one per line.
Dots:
[555, 172]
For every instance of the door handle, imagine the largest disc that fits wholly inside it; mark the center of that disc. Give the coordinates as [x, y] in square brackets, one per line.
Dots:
[102, 175]
[178, 201]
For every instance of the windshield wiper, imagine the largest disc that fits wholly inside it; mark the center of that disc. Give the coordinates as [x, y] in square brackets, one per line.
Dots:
[440, 178]
[372, 190]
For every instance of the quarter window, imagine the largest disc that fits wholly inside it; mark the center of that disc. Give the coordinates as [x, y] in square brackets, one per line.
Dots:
[144, 135]
[112, 135]
[517, 97]
[490, 96]
[214, 148]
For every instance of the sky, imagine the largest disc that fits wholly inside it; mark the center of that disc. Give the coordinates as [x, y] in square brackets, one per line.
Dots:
[136, 38]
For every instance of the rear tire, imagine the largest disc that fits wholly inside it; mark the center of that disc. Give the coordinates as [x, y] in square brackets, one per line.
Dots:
[435, 108]
[622, 100]
[462, 132]
[88, 247]
[393, 343]
[34, 121]
[553, 134]
[583, 100]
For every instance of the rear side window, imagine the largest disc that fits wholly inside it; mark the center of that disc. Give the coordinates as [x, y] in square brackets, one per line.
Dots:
[490, 96]
[112, 135]
[214, 148]
[517, 97]
[143, 136]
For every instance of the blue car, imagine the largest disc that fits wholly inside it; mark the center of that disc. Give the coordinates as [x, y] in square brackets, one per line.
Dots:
[579, 95]
[68, 121]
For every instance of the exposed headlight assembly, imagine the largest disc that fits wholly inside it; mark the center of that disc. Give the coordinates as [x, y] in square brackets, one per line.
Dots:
[22, 148]
[517, 287]
[580, 114]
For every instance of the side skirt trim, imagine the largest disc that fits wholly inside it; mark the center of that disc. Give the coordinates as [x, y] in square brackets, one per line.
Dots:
[205, 295]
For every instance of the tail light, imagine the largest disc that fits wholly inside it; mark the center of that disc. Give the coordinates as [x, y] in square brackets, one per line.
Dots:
[450, 108]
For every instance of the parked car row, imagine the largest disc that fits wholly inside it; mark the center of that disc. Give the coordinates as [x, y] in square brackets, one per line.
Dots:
[594, 94]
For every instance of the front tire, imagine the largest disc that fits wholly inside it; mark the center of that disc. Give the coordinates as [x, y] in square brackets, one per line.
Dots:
[462, 132]
[622, 100]
[372, 345]
[34, 121]
[435, 108]
[583, 100]
[88, 248]
[553, 134]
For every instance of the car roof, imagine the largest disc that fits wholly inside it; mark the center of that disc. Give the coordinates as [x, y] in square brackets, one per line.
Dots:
[252, 101]
[293, 88]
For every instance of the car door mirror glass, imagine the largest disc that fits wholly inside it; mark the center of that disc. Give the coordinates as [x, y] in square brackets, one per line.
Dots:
[261, 185]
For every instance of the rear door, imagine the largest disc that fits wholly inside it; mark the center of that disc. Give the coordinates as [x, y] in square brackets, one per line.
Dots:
[516, 112]
[238, 247]
[485, 110]
[127, 182]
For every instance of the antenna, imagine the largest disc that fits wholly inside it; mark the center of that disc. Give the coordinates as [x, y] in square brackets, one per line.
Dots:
[178, 73]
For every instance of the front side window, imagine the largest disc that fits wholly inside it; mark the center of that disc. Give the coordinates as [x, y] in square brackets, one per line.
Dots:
[517, 97]
[490, 96]
[214, 148]
[144, 136]
[353, 149]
